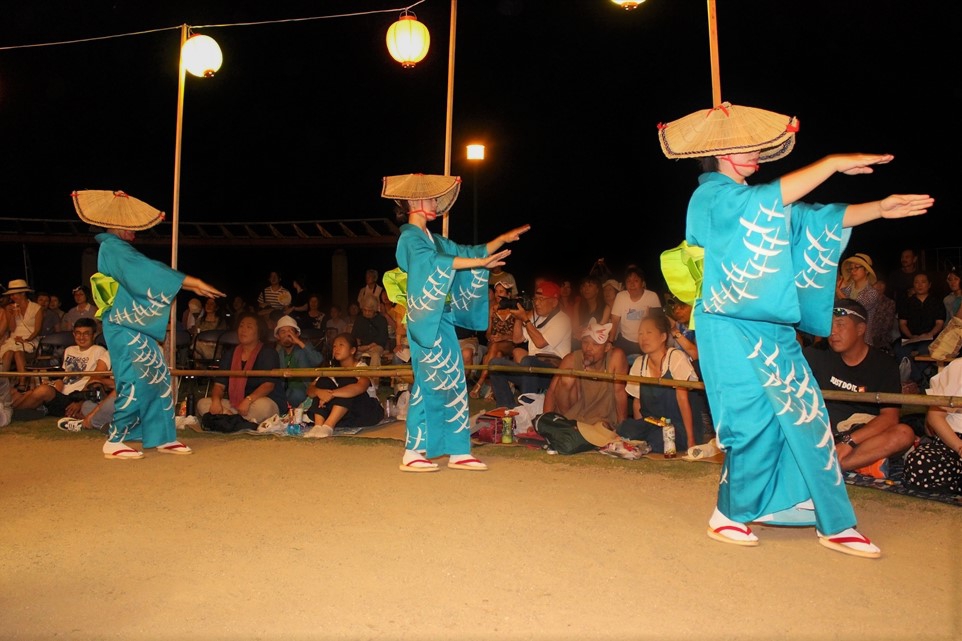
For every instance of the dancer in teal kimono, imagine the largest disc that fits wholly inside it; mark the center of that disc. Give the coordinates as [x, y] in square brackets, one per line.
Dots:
[133, 295]
[447, 286]
[770, 266]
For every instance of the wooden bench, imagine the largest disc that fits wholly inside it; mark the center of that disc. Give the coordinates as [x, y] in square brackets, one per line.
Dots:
[940, 363]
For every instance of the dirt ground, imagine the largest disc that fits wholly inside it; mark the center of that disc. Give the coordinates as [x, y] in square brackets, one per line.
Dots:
[280, 538]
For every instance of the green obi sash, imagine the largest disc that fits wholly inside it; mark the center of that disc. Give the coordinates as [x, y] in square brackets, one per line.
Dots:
[104, 290]
[683, 268]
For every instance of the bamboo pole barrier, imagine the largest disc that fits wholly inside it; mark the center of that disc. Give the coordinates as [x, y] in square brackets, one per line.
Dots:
[877, 398]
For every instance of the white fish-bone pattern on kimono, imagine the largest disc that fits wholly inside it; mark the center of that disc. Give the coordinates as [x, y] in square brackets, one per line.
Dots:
[798, 397]
[764, 239]
[432, 297]
[819, 260]
[137, 314]
[151, 367]
[475, 291]
[445, 372]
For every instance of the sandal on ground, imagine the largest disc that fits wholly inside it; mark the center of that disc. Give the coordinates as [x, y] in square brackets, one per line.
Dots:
[124, 454]
[850, 542]
[419, 465]
[741, 535]
[471, 464]
[175, 447]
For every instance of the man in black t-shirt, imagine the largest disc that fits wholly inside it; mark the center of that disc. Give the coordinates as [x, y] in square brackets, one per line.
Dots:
[865, 433]
[921, 317]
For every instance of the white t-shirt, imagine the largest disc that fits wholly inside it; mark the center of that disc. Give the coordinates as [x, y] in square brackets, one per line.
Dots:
[948, 382]
[557, 333]
[632, 311]
[75, 360]
[675, 363]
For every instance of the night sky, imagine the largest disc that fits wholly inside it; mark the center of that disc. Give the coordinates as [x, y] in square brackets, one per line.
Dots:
[303, 120]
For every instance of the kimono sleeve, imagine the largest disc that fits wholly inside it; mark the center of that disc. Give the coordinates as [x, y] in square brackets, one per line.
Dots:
[430, 277]
[142, 277]
[818, 240]
[469, 292]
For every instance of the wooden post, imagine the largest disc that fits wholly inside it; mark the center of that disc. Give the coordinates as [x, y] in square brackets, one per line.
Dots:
[449, 121]
[716, 96]
[175, 206]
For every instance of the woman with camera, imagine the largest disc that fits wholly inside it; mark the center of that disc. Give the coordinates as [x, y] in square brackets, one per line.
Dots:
[500, 334]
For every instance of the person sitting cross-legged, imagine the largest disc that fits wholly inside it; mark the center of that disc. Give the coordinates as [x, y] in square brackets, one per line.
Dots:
[54, 399]
[936, 465]
[547, 331]
[585, 399]
[294, 354]
[866, 434]
[349, 401]
[370, 330]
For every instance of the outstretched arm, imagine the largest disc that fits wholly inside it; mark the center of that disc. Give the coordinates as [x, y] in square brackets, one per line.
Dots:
[896, 206]
[507, 237]
[798, 184]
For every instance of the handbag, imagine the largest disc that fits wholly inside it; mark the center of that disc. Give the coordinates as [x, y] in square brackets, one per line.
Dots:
[948, 343]
[561, 434]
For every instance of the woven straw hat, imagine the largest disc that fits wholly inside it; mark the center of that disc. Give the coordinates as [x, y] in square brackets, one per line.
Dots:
[729, 129]
[865, 261]
[423, 187]
[18, 286]
[598, 434]
[114, 210]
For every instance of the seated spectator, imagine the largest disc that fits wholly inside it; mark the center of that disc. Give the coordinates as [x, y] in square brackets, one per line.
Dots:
[866, 434]
[631, 305]
[952, 300]
[920, 320]
[60, 397]
[23, 323]
[470, 345]
[237, 307]
[209, 320]
[94, 415]
[394, 315]
[353, 313]
[590, 400]
[314, 316]
[51, 320]
[500, 335]
[886, 320]
[298, 303]
[498, 275]
[56, 309]
[936, 465]
[609, 291]
[83, 308]
[191, 315]
[591, 304]
[654, 401]
[570, 301]
[372, 287]
[274, 297]
[294, 354]
[857, 283]
[6, 402]
[547, 331]
[335, 322]
[370, 330]
[348, 401]
[256, 398]
[679, 313]
[902, 280]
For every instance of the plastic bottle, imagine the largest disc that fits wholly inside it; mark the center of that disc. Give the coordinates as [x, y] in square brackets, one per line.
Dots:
[191, 404]
[507, 429]
[668, 431]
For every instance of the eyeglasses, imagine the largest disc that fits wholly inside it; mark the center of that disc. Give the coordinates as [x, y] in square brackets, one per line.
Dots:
[841, 311]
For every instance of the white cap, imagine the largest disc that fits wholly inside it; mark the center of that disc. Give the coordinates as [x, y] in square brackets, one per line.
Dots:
[286, 321]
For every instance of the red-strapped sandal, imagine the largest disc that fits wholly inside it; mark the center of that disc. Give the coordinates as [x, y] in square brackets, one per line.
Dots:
[414, 467]
[471, 464]
[716, 534]
[842, 541]
[125, 454]
[175, 448]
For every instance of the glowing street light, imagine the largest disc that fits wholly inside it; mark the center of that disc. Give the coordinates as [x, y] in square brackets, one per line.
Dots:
[475, 152]
[201, 56]
[628, 5]
[408, 40]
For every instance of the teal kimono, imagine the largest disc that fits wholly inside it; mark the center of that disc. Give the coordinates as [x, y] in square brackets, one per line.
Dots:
[769, 269]
[134, 325]
[438, 299]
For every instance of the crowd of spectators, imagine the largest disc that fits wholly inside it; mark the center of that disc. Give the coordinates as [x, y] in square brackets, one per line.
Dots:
[602, 321]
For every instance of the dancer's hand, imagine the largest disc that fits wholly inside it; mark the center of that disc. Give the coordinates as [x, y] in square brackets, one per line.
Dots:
[514, 234]
[903, 206]
[494, 260]
[198, 286]
[852, 164]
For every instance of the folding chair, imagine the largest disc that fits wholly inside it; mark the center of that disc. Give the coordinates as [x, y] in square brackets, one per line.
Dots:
[49, 351]
[211, 336]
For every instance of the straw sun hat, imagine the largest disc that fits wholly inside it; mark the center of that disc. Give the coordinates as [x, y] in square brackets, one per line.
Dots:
[18, 286]
[729, 129]
[865, 261]
[423, 187]
[114, 210]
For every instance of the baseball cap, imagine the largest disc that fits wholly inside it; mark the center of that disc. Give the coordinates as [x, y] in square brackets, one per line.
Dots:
[548, 290]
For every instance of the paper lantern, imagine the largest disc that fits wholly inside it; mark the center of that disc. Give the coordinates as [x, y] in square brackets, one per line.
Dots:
[201, 56]
[408, 40]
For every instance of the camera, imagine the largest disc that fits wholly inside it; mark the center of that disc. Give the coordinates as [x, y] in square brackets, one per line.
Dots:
[525, 300]
[95, 394]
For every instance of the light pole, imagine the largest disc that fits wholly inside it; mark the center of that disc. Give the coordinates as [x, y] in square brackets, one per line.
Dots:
[475, 155]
